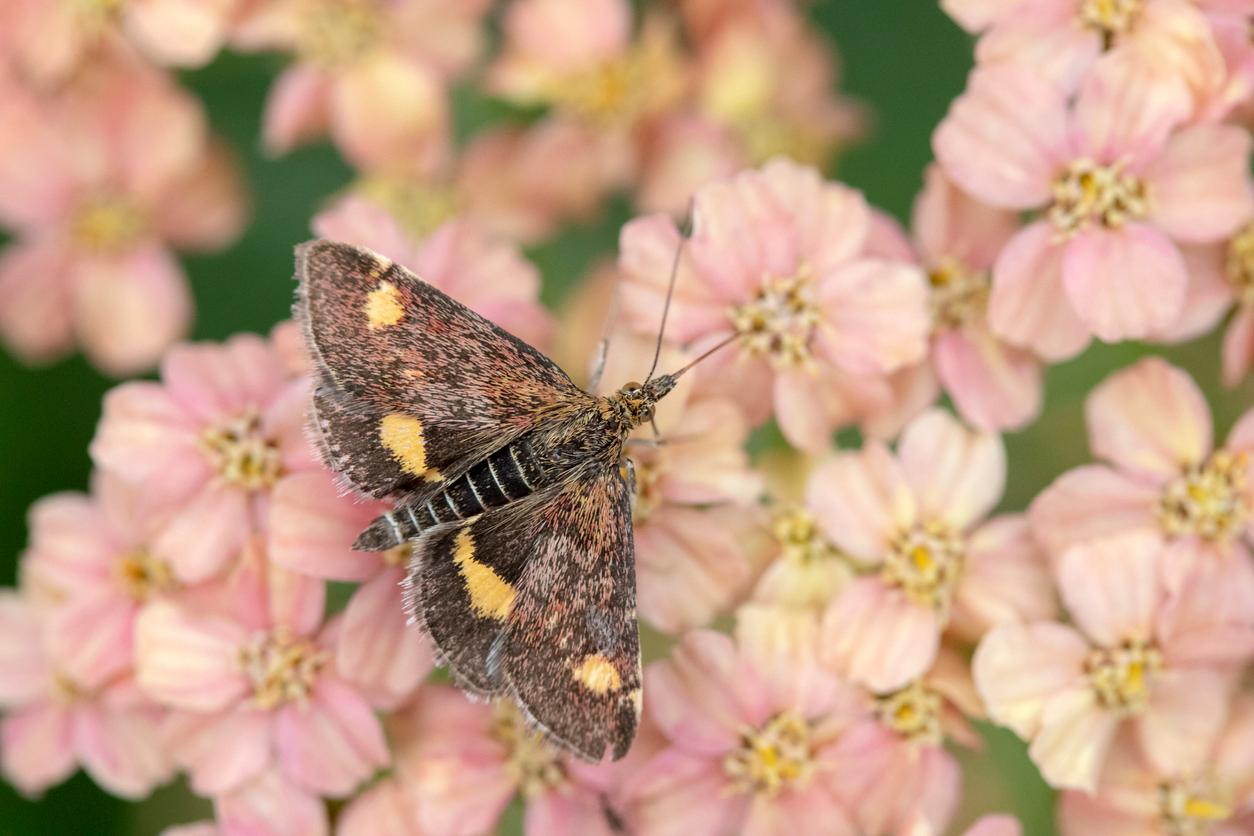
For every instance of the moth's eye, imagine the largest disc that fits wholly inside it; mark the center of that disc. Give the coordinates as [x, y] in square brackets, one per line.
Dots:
[631, 386]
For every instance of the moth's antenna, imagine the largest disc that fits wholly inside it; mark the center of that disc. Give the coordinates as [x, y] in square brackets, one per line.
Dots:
[723, 343]
[670, 291]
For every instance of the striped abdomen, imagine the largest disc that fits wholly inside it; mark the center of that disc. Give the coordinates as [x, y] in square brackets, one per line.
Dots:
[509, 474]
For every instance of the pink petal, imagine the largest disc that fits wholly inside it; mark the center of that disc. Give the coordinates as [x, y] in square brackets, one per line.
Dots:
[128, 310]
[213, 381]
[1208, 297]
[313, 526]
[384, 808]
[388, 109]
[1238, 347]
[993, 386]
[1200, 183]
[1126, 108]
[677, 792]
[1125, 283]
[221, 752]
[22, 655]
[949, 222]
[188, 660]
[1005, 137]
[377, 651]
[811, 404]
[36, 747]
[1186, 712]
[975, 15]
[995, 825]
[911, 391]
[294, 601]
[182, 33]
[875, 636]
[90, 637]
[73, 547]
[830, 219]
[35, 299]
[271, 805]
[206, 209]
[331, 743]
[37, 187]
[647, 248]
[1046, 37]
[1073, 741]
[1208, 618]
[207, 534]
[1112, 587]
[121, 750]
[956, 475]
[567, 812]
[357, 220]
[1007, 578]
[876, 316]
[1090, 502]
[1150, 419]
[145, 437]
[1027, 306]
[861, 500]
[296, 109]
[811, 812]
[1018, 668]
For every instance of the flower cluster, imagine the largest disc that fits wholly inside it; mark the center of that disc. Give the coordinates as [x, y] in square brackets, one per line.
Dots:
[825, 626]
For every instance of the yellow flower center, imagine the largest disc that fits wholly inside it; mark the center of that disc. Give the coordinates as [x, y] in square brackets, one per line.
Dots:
[1121, 676]
[281, 667]
[338, 32]
[65, 691]
[959, 296]
[779, 321]
[1110, 18]
[143, 575]
[1086, 193]
[1239, 265]
[1191, 807]
[913, 712]
[95, 15]
[419, 207]
[799, 537]
[926, 563]
[767, 135]
[533, 764]
[618, 91]
[241, 454]
[772, 758]
[107, 223]
[1209, 500]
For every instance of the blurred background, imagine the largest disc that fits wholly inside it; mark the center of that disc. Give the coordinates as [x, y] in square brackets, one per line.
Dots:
[903, 59]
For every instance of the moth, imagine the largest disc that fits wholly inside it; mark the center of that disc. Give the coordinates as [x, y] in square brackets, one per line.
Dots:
[509, 485]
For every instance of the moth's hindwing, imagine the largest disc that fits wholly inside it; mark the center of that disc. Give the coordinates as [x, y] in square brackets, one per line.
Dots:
[538, 599]
[411, 380]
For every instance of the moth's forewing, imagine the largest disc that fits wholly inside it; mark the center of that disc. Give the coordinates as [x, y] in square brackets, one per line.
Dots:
[410, 378]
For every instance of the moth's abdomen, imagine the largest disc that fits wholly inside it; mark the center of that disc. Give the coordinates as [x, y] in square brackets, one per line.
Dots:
[509, 474]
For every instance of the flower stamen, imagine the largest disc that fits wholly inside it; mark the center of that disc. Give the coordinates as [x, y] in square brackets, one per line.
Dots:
[142, 575]
[1086, 193]
[780, 321]
[281, 667]
[775, 757]
[1239, 265]
[533, 764]
[1109, 18]
[926, 562]
[1210, 500]
[1191, 807]
[241, 454]
[913, 712]
[959, 296]
[1121, 676]
[337, 32]
[107, 224]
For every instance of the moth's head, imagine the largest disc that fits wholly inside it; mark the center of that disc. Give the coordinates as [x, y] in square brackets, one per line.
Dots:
[640, 399]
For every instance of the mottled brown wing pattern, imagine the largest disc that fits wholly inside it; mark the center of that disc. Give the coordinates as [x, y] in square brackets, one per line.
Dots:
[410, 376]
[538, 599]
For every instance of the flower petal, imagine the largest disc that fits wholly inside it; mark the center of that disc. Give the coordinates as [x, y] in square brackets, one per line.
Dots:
[993, 386]
[388, 109]
[1090, 502]
[271, 805]
[35, 299]
[1126, 107]
[1074, 738]
[121, 749]
[956, 475]
[861, 500]
[1201, 183]
[1028, 307]
[1112, 587]
[1007, 579]
[188, 660]
[1019, 667]
[1181, 724]
[37, 747]
[223, 751]
[875, 636]
[876, 317]
[376, 650]
[331, 743]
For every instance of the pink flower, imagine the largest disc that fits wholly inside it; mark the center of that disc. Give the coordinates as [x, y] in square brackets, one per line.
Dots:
[1118, 189]
[207, 444]
[994, 386]
[1161, 475]
[50, 39]
[459, 764]
[55, 724]
[914, 523]
[745, 752]
[1135, 797]
[1062, 39]
[96, 203]
[775, 257]
[370, 73]
[312, 526]
[1140, 655]
[255, 685]
[480, 270]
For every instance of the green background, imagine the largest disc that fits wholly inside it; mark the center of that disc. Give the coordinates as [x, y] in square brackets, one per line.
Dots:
[903, 58]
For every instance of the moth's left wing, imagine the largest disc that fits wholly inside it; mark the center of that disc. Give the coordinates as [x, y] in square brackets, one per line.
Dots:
[538, 599]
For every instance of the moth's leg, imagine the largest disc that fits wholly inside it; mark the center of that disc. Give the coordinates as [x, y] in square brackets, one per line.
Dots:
[627, 469]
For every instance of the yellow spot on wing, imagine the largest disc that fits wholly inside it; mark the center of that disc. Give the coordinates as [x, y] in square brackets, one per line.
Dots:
[401, 435]
[597, 674]
[383, 306]
[490, 596]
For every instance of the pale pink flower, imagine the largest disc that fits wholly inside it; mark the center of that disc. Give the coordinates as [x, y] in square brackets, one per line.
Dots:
[482, 271]
[1062, 39]
[254, 683]
[915, 523]
[50, 39]
[1140, 655]
[89, 570]
[269, 805]
[775, 256]
[683, 153]
[1161, 473]
[370, 73]
[207, 444]
[459, 764]
[54, 724]
[1133, 797]
[311, 529]
[994, 386]
[744, 752]
[978, 15]
[1117, 187]
[98, 183]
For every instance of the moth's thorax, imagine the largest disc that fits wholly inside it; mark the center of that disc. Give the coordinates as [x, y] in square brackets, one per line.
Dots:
[634, 404]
